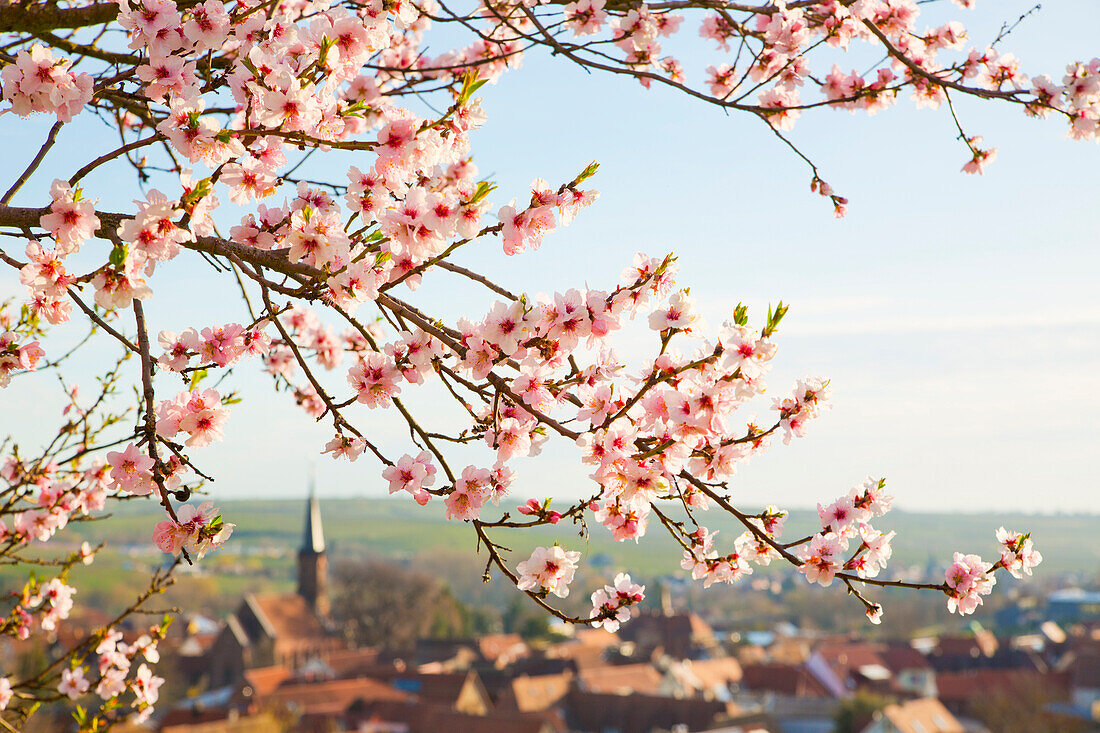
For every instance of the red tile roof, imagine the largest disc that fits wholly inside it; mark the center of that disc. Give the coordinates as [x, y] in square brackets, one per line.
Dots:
[289, 616]
[785, 679]
[354, 662]
[982, 644]
[503, 647]
[846, 658]
[444, 688]
[620, 679]
[898, 658]
[642, 713]
[265, 680]
[927, 715]
[421, 718]
[961, 687]
[331, 696]
[715, 673]
[538, 693]
[596, 637]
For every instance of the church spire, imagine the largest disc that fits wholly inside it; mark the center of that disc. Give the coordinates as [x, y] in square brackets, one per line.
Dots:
[313, 538]
[312, 558]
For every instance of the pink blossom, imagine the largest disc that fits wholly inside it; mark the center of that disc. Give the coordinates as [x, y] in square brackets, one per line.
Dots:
[131, 470]
[585, 17]
[37, 82]
[71, 220]
[146, 686]
[611, 605]
[375, 378]
[198, 530]
[1018, 554]
[411, 474]
[821, 560]
[73, 683]
[199, 413]
[979, 158]
[548, 570]
[968, 579]
[342, 446]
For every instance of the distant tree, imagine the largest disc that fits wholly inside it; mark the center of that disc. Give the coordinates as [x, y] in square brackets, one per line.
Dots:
[1023, 709]
[382, 604]
[855, 712]
[519, 619]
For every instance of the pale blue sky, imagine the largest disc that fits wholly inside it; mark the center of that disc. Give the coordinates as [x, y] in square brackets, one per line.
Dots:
[957, 316]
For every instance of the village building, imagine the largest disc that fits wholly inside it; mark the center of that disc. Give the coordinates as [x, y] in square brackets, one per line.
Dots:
[287, 629]
[926, 715]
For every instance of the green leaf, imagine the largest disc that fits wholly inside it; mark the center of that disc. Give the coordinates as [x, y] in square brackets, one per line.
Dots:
[484, 188]
[470, 84]
[118, 257]
[741, 315]
[774, 317]
[588, 172]
[197, 376]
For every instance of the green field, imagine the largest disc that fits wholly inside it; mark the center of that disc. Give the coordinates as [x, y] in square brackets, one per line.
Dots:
[261, 554]
[396, 528]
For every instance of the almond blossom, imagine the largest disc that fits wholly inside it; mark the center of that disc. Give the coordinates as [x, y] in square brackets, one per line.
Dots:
[548, 570]
[71, 220]
[611, 605]
[38, 82]
[411, 474]
[968, 579]
[196, 529]
[821, 559]
[1018, 554]
[73, 684]
[131, 470]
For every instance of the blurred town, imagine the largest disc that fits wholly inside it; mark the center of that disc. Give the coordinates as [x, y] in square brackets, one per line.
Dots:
[375, 649]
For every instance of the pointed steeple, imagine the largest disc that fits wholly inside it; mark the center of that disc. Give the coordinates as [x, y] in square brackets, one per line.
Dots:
[312, 558]
[313, 538]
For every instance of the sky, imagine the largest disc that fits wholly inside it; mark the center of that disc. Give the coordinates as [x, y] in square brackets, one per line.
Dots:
[956, 316]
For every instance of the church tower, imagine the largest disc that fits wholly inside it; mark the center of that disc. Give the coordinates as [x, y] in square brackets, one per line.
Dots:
[312, 558]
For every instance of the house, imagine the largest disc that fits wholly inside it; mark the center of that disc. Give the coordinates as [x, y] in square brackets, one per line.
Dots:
[621, 679]
[707, 678]
[531, 693]
[389, 717]
[679, 635]
[591, 712]
[460, 691]
[955, 653]
[843, 666]
[913, 674]
[1084, 680]
[587, 648]
[792, 697]
[958, 690]
[354, 662]
[788, 680]
[501, 650]
[261, 681]
[280, 629]
[1072, 605]
[327, 697]
[925, 715]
